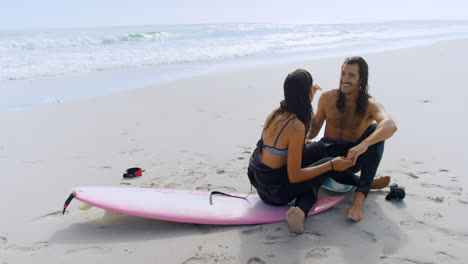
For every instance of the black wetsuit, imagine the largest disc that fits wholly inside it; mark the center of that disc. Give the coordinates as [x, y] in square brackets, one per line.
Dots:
[367, 162]
[273, 185]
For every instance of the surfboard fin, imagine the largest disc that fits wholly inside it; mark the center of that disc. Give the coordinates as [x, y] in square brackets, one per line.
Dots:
[67, 202]
[85, 207]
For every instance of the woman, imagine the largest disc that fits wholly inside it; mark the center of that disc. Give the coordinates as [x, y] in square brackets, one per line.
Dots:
[276, 168]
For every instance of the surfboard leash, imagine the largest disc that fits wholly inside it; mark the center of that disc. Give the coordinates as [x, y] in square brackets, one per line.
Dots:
[68, 201]
[173, 178]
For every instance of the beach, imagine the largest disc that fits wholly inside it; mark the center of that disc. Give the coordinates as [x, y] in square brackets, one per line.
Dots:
[198, 133]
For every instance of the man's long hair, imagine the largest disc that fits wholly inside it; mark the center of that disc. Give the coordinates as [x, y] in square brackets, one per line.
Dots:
[363, 96]
[297, 88]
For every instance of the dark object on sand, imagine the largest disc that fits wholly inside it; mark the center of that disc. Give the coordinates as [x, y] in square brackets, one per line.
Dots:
[133, 172]
[397, 193]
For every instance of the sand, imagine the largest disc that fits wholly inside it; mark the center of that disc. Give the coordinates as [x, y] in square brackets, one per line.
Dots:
[202, 131]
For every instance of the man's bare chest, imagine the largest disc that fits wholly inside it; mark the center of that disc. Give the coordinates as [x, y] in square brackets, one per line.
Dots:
[345, 120]
[346, 125]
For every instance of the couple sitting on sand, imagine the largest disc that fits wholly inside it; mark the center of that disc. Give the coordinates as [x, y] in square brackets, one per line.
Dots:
[286, 166]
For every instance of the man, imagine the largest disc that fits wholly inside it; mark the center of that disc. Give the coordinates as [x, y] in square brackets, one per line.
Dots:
[350, 130]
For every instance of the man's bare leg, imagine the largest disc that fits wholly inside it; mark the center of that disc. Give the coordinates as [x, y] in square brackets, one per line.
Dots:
[295, 217]
[381, 182]
[357, 207]
[355, 211]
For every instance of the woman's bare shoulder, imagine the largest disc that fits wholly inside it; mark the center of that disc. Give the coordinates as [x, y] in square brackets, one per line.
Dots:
[297, 125]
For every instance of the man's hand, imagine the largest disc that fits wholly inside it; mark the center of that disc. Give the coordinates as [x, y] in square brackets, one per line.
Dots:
[341, 163]
[355, 152]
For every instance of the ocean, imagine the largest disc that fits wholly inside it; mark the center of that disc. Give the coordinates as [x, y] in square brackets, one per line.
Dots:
[50, 65]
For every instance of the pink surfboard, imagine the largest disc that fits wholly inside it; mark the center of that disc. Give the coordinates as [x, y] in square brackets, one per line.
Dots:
[190, 206]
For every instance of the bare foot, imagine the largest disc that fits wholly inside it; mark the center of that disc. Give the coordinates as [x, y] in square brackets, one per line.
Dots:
[381, 182]
[295, 217]
[355, 211]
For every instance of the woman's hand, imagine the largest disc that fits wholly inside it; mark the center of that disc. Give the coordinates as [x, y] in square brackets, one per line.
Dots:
[315, 88]
[341, 163]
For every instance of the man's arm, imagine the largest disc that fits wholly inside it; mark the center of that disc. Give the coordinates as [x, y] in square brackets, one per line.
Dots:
[319, 118]
[386, 127]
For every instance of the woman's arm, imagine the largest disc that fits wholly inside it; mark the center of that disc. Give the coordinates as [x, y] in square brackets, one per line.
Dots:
[297, 174]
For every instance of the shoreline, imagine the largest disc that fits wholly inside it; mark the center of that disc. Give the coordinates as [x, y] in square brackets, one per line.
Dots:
[26, 94]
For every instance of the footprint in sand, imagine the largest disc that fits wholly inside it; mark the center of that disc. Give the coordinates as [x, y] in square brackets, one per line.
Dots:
[314, 233]
[228, 188]
[454, 190]
[196, 260]
[256, 260]
[206, 187]
[3, 241]
[172, 185]
[371, 237]
[459, 236]
[445, 258]
[95, 250]
[270, 240]
[435, 215]
[209, 258]
[412, 175]
[252, 230]
[430, 185]
[436, 199]
[392, 260]
[319, 252]
[411, 224]
[30, 248]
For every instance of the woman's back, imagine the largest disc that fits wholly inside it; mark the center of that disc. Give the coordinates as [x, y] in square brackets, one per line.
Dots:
[276, 139]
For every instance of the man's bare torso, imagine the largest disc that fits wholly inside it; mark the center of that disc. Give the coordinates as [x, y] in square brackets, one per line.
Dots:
[346, 125]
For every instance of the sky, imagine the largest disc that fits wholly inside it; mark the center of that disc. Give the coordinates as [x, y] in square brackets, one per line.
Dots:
[23, 14]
